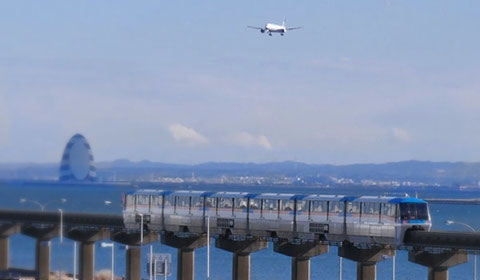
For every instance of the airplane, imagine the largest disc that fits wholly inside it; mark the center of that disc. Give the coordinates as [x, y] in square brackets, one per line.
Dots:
[275, 28]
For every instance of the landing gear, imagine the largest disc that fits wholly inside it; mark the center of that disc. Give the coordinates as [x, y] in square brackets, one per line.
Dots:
[269, 34]
[281, 34]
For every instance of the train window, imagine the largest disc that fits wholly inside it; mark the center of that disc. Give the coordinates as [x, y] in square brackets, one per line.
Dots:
[130, 200]
[270, 204]
[210, 202]
[156, 200]
[286, 205]
[183, 201]
[197, 201]
[225, 202]
[142, 199]
[336, 207]
[302, 205]
[255, 204]
[371, 208]
[353, 207]
[413, 211]
[241, 203]
[319, 206]
[388, 210]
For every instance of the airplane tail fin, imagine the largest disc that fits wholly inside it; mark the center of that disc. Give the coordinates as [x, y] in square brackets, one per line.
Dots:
[284, 22]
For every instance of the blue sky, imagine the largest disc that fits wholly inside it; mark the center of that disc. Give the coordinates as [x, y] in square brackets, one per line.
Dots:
[187, 82]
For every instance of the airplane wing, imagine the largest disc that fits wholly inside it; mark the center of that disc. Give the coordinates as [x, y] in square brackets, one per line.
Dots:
[254, 27]
[293, 28]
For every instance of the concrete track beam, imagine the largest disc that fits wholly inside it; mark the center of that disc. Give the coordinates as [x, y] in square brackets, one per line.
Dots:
[241, 254]
[366, 259]
[438, 264]
[300, 254]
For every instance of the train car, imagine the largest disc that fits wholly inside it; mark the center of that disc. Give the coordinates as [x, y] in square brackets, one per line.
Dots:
[228, 212]
[334, 218]
[143, 205]
[272, 215]
[183, 211]
[317, 215]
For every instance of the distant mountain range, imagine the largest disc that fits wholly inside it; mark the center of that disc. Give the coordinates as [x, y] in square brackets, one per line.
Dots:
[443, 173]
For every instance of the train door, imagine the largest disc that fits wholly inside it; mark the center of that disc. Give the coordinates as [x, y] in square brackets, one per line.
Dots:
[336, 211]
[225, 207]
[370, 212]
[286, 211]
[196, 206]
[240, 208]
[169, 205]
[210, 206]
[255, 209]
[301, 210]
[353, 212]
[318, 211]
[182, 206]
[143, 203]
[129, 202]
[270, 209]
[156, 204]
[388, 213]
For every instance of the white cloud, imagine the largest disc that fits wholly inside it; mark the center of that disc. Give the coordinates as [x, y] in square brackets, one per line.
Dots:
[249, 140]
[401, 135]
[183, 133]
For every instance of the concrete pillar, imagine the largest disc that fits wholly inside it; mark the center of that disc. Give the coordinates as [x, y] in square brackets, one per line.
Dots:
[87, 260]
[186, 264]
[366, 270]
[366, 259]
[438, 263]
[42, 259]
[186, 254]
[134, 253]
[134, 263]
[301, 254]
[4, 252]
[87, 239]
[241, 266]
[301, 268]
[5, 232]
[241, 254]
[437, 273]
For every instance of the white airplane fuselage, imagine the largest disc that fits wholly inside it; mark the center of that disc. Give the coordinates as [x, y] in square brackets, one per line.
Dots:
[275, 28]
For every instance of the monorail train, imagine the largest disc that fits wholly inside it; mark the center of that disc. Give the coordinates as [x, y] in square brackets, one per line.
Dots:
[333, 218]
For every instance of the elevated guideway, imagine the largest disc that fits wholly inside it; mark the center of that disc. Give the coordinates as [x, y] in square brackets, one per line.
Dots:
[437, 250]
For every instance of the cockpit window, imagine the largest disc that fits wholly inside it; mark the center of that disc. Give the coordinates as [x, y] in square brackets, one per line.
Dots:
[413, 211]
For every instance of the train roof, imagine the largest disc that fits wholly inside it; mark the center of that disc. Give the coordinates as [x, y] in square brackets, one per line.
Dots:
[322, 197]
[231, 194]
[407, 200]
[276, 196]
[148, 192]
[188, 193]
[317, 197]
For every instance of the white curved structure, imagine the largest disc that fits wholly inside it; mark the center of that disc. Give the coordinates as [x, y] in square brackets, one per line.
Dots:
[77, 161]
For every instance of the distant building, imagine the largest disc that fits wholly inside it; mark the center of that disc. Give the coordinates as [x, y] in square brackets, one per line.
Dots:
[77, 161]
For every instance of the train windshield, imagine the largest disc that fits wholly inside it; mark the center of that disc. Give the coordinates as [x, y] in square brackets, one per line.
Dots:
[413, 211]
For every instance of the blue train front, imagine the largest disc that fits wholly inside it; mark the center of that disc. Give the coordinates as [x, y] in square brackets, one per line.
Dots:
[331, 218]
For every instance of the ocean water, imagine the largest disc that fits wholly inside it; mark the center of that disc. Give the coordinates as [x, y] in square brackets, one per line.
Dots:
[265, 264]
